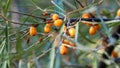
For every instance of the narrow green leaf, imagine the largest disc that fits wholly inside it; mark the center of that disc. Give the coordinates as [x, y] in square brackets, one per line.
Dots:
[57, 59]
[52, 57]
[22, 64]
[19, 45]
[7, 46]
[4, 64]
[95, 61]
[7, 6]
[69, 4]
[2, 47]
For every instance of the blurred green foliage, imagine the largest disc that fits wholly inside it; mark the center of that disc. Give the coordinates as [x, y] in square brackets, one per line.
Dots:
[15, 52]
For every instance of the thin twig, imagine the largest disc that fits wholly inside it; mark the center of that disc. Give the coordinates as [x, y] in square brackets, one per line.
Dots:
[80, 3]
[28, 15]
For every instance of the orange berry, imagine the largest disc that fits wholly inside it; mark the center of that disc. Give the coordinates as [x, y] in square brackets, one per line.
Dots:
[97, 26]
[92, 30]
[65, 41]
[68, 42]
[86, 15]
[32, 31]
[72, 32]
[58, 22]
[55, 17]
[47, 29]
[49, 24]
[63, 50]
[118, 12]
[114, 54]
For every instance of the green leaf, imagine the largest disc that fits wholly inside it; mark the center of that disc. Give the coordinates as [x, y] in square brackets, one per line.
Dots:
[57, 59]
[52, 57]
[7, 46]
[95, 61]
[4, 64]
[18, 44]
[22, 64]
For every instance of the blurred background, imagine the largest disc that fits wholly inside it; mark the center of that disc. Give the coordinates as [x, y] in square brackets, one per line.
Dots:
[38, 51]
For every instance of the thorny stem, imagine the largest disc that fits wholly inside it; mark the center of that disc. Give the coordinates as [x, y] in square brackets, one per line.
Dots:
[75, 20]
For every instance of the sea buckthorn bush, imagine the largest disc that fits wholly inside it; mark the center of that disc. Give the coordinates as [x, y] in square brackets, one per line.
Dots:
[59, 33]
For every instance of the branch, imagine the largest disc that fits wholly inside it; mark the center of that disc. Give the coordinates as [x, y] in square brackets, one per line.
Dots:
[29, 15]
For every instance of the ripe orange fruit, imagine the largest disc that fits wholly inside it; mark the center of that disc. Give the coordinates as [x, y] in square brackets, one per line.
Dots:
[32, 31]
[55, 17]
[86, 15]
[72, 32]
[118, 12]
[97, 26]
[49, 24]
[92, 30]
[63, 50]
[68, 42]
[115, 54]
[47, 28]
[58, 22]
[65, 41]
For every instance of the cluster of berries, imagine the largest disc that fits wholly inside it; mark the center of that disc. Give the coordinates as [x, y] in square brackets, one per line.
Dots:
[57, 21]
[93, 27]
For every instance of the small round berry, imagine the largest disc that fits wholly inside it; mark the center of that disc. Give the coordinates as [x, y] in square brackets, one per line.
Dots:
[47, 29]
[72, 32]
[115, 54]
[58, 22]
[86, 15]
[118, 13]
[49, 24]
[63, 50]
[92, 30]
[97, 26]
[32, 31]
[65, 41]
[55, 17]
